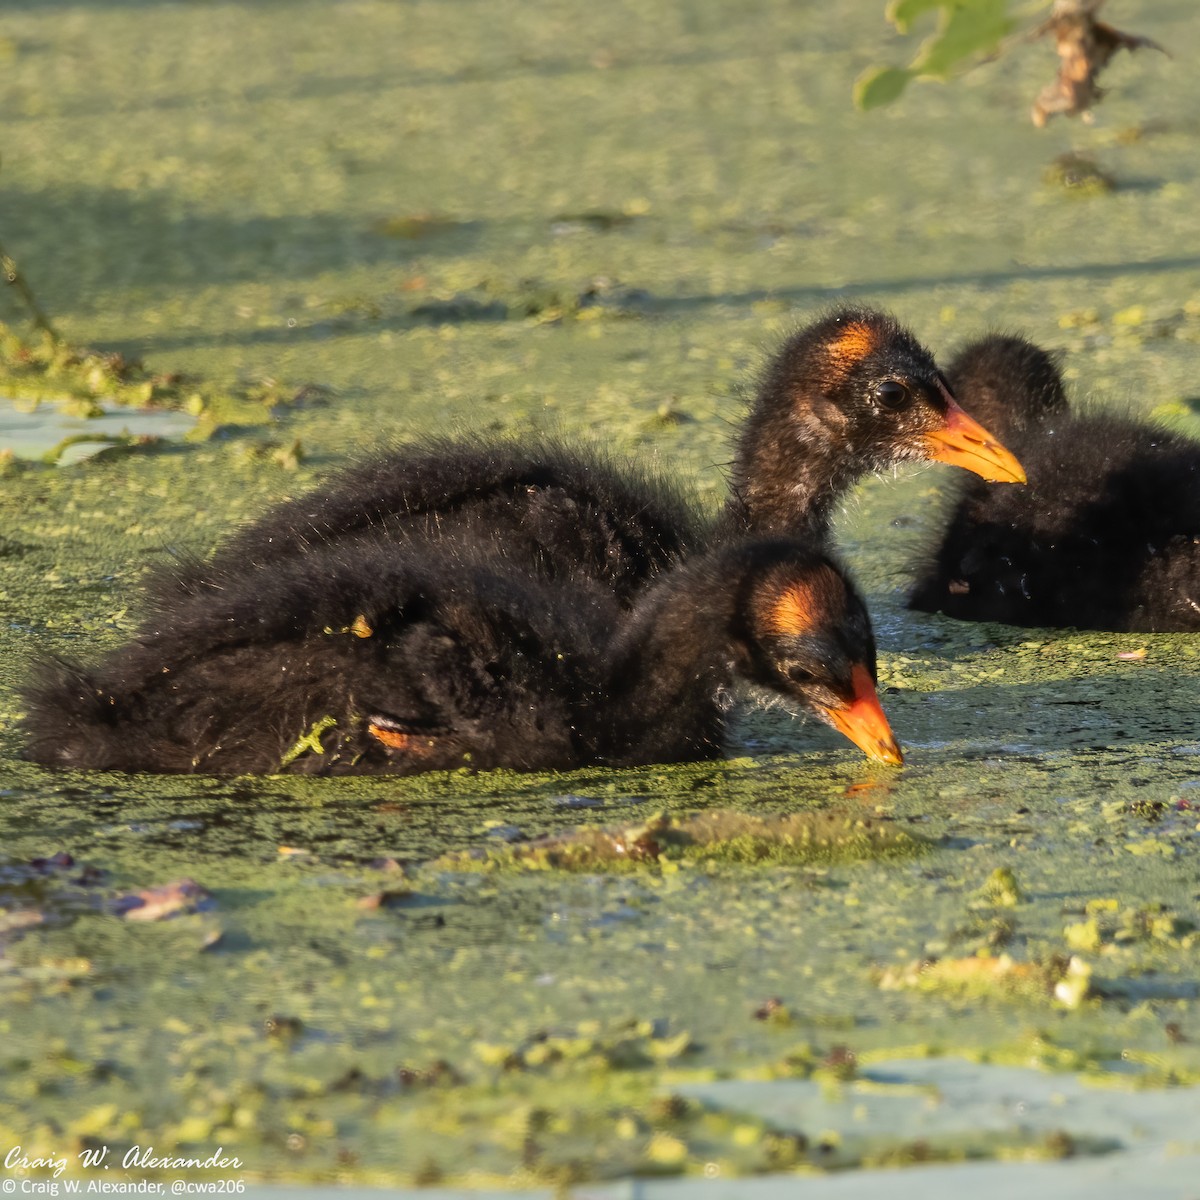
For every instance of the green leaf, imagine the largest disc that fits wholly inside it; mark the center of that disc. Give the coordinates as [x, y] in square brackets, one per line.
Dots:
[965, 28]
[880, 85]
[902, 13]
[972, 28]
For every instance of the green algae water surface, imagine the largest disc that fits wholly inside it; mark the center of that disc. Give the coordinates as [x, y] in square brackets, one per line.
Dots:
[427, 217]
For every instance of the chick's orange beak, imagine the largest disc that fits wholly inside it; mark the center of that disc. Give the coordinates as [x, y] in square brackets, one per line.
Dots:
[963, 442]
[863, 722]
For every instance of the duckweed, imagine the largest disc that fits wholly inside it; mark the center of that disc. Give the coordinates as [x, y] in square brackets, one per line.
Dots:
[718, 837]
[230, 235]
[45, 369]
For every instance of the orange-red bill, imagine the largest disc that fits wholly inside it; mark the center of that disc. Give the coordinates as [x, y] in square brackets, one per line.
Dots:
[963, 442]
[863, 720]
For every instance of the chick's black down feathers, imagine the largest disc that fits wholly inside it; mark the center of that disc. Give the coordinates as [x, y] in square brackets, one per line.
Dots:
[557, 509]
[509, 591]
[231, 680]
[1105, 536]
[1011, 384]
[363, 657]
[850, 394]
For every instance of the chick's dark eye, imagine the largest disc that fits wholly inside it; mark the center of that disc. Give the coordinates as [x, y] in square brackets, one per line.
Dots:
[799, 675]
[893, 395]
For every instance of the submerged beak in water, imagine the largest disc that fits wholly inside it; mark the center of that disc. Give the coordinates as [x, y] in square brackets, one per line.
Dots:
[863, 721]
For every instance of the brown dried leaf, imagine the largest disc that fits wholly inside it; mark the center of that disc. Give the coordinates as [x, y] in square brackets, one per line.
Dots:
[1084, 46]
[168, 900]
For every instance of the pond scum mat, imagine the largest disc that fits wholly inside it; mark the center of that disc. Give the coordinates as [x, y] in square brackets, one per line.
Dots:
[787, 973]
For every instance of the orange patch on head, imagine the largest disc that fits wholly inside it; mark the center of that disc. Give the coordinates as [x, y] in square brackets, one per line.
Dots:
[792, 613]
[854, 342]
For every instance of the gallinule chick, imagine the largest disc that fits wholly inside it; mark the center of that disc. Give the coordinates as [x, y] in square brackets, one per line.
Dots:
[556, 508]
[1107, 534]
[371, 656]
[851, 394]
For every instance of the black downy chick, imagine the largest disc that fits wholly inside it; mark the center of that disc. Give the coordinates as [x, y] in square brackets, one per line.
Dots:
[851, 394]
[562, 511]
[371, 657]
[1107, 534]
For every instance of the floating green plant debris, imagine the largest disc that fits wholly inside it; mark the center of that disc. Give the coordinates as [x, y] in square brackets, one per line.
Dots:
[794, 839]
[601, 297]
[1001, 889]
[84, 383]
[41, 976]
[632, 1045]
[1109, 925]
[668, 414]
[44, 368]
[289, 456]
[309, 742]
[308, 1039]
[982, 975]
[1079, 175]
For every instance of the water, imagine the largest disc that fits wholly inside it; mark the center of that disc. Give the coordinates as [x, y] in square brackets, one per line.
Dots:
[222, 220]
[33, 432]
